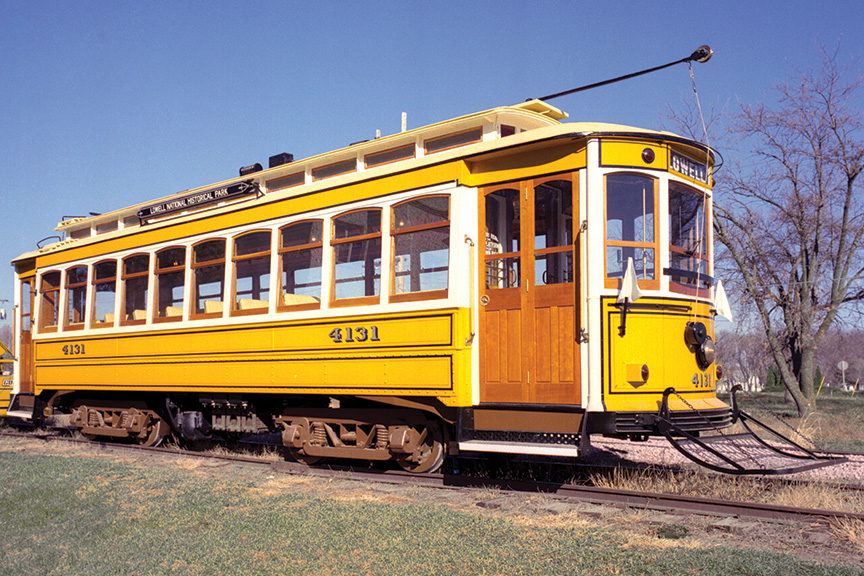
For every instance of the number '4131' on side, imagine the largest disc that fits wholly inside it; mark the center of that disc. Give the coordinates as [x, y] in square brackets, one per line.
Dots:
[73, 349]
[360, 334]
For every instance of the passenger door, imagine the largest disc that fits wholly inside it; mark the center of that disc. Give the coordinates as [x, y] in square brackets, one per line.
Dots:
[528, 314]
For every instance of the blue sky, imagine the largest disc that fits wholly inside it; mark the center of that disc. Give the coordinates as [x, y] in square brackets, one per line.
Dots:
[104, 104]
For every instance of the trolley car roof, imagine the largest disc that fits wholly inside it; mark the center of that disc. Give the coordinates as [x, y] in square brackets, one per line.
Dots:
[532, 121]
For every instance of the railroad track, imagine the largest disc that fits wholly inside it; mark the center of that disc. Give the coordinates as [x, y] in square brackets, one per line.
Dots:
[589, 494]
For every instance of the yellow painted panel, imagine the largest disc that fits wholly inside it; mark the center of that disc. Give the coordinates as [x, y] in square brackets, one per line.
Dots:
[654, 337]
[319, 336]
[276, 374]
[419, 355]
[77, 346]
[417, 331]
[519, 164]
[617, 153]
[641, 345]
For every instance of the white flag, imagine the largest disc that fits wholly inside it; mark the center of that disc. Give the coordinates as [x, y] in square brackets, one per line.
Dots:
[721, 303]
[629, 287]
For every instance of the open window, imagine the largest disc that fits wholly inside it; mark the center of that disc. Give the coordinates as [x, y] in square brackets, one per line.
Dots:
[76, 298]
[301, 249]
[356, 258]
[170, 284]
[252, 273]
[135, 280]
[420, 230]
[104, 293]
[208, 279]
[631, 232]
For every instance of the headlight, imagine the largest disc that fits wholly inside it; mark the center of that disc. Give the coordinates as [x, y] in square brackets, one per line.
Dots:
[705, 353]
[695, 333]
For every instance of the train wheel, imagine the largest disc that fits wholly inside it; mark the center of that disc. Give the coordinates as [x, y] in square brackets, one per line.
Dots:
[298, 455]
[429, 454]
[156, 432]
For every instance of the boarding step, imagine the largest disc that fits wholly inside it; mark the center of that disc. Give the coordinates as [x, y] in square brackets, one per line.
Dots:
[22, 414]
[542, 430]
[519, 448]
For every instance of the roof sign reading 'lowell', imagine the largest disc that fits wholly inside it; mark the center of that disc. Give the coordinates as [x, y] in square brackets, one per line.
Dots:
[198, 199]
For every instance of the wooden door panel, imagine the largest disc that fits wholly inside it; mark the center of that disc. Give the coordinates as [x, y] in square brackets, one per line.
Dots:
[492, 356]
[504, 370]
[556, 359]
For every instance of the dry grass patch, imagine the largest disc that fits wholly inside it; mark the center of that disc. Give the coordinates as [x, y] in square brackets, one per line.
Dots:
[850, 530]
[732, 488]
[819, 497]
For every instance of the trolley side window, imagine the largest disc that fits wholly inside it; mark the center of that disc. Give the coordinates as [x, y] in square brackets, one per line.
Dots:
[421, 248]
[170, 284]
[553, 233]
[135, 279]
[49, 309]
[688, 244]
[76, 298]
[301, 251]
[252, 273]
[104, 293]
[208, 278]
[631, 205]
[503, 239]
[356, 244]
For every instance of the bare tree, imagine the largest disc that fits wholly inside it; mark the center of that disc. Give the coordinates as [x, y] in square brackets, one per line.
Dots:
[744, 356]
[6, 335]
[793, 219]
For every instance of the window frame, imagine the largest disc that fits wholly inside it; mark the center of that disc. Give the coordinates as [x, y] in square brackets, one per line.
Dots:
[124, 278]
[196, 265]
[68, 307]
[44, 292]
[235, 309]
[417, 295]
[506, 264]
[456, 137]
[335, 243]
[158, 274]
[390, 152]
[645, 283]
[95, 281]
[564, 249]
[674, 286]
[282, 251]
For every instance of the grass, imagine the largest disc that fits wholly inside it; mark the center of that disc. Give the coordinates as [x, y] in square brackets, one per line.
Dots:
[86, 515]
[837, 423]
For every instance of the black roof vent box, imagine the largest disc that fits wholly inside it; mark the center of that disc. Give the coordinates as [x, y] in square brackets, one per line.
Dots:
[280, 159]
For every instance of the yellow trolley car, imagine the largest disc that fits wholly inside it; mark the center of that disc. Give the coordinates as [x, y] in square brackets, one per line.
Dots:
[500, 282]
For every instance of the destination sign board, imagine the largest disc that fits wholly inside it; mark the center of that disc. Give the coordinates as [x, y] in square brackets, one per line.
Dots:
[199, 199]
[687, 167]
